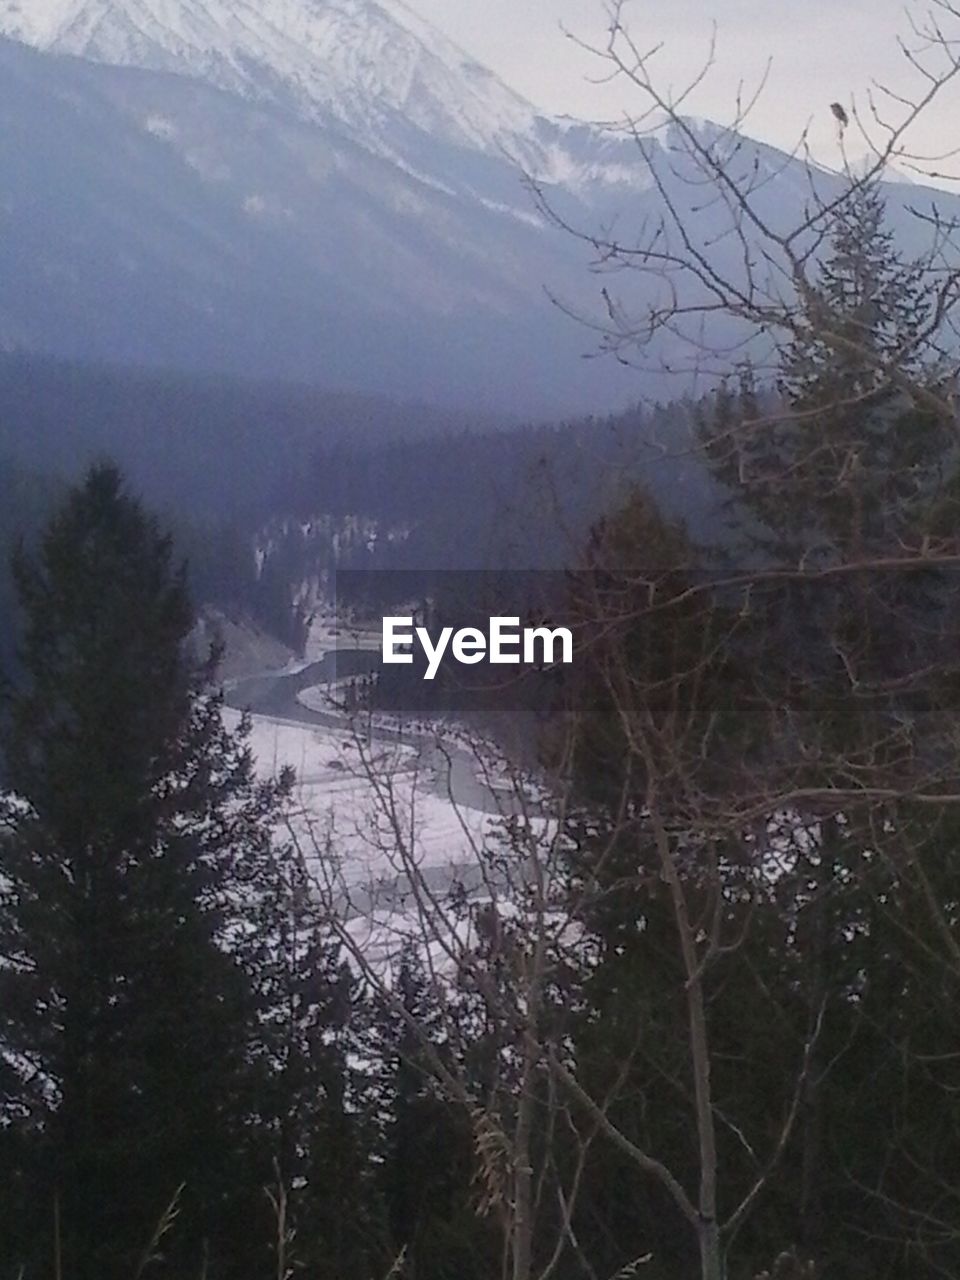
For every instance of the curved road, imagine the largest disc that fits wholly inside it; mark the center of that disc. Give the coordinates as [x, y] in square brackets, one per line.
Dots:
[273, 696]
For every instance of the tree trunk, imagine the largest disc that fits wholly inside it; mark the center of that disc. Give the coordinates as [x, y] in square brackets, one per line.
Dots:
[711, 1260]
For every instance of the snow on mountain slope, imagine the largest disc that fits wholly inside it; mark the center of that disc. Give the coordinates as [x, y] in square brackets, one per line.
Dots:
[325, 190]
[153, 219]
[357, 61]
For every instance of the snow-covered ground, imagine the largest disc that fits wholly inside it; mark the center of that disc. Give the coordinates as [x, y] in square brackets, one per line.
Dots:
[328, 632]
[384, 809]
[364, 804]
[365, 811]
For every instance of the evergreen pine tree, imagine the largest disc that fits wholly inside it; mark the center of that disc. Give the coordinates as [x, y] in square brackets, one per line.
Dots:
[134, 838]
[429, 1165]
[323, 1092]
[849, 459]
[845, 475]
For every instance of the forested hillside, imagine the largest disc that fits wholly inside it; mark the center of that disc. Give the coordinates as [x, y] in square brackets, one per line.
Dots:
[272, 489]
[223, 458]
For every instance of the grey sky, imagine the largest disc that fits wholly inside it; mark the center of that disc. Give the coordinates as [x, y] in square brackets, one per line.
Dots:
[822, 50]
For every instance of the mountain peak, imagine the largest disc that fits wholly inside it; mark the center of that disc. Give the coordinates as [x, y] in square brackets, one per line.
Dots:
[360, 62]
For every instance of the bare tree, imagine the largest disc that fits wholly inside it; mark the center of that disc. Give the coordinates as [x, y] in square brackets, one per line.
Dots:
[493, 937]
[717, 278]
[719, 271]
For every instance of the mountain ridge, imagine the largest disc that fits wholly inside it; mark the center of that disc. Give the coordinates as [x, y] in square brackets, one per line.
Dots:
[152, 219]
[220, 211]
[359, 61]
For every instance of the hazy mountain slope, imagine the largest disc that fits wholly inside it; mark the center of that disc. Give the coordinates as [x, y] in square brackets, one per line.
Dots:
[148, 217]
[376, 71]
[315, 190]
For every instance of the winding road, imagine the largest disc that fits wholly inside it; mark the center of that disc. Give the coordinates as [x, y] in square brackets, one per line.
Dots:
[453, 770]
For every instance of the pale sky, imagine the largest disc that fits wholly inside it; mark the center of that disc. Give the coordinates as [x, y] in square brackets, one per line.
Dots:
[822, 50]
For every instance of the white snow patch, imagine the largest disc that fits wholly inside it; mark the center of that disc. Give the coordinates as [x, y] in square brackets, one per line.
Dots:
[340, 812]
[160, 127]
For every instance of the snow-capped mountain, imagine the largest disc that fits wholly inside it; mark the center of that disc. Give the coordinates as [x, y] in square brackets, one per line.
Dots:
[315, 189]
[366, 65]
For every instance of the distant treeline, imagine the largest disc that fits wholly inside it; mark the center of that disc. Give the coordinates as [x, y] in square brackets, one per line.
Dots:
[220, 457]
[200, 444]
[273, 487]
[521, 498]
